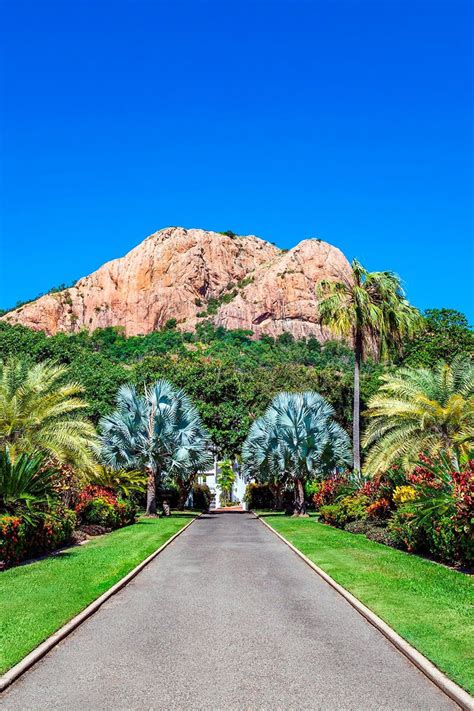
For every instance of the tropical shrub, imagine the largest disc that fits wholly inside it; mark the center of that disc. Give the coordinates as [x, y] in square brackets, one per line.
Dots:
[378, 509]
[404, 494]
[355, 507]
[334, 515]
[21, 539]
[201, 496]
[13, 544]
[26, 485]
[380, 534]
[259, 496]
[328, 490]
[100, 506]
[361, 526]
[406, 530]
[225, 480]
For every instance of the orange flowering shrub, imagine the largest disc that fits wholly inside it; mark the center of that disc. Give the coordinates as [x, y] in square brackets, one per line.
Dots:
[20, 540]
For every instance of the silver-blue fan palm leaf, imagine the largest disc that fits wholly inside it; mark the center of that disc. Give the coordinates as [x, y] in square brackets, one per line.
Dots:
[296, 439]
[160, 432]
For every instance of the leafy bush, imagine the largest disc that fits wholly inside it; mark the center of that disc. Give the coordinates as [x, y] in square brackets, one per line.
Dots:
[406, 531]
[379, 509]
[380, 534]
[345, 510]
[21, 539]
[333, 514]
[355, 507]
[201, 496]
[122, 481]
[259, 496]
[100, 506]
[404, 494]
[361, 526]
[13, 544]
[328, 490]
[25, 484]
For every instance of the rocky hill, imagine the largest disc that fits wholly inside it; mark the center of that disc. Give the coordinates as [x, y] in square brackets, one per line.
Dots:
[193, 275]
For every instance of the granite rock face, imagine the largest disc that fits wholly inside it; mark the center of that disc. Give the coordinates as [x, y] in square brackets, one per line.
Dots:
[193, 275]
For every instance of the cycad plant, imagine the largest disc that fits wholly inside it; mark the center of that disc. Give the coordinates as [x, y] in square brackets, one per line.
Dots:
[126, 482]
[296, 439]
[160, 432]
[41, 411]
[26, 484]
[422, 411]
[370, 310]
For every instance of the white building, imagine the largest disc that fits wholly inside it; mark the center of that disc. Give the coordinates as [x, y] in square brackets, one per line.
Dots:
[210, 478]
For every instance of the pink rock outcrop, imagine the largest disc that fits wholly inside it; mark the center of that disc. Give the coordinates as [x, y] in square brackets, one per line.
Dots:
[191, 275]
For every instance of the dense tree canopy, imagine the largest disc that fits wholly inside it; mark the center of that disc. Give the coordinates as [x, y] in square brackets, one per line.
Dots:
[230, 377]
[445, 334]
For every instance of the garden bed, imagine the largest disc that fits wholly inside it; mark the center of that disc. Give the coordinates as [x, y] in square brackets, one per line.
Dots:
[38, 598]
[429, 605]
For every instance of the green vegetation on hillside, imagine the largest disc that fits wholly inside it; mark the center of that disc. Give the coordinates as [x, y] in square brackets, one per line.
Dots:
[229, 376]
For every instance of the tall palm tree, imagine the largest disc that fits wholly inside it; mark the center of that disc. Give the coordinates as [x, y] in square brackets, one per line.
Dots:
[40, 411]
[160, 432]
[295, 439]
[422, 411]
[371, 311]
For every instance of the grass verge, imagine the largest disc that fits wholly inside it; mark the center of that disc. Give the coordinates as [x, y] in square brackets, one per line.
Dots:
[38, 598]
[427, 604]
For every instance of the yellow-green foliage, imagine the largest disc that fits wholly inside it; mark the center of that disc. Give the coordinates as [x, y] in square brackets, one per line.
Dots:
[404, 494]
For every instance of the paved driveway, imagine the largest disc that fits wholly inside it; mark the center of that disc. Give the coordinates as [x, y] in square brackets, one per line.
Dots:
[227, 617]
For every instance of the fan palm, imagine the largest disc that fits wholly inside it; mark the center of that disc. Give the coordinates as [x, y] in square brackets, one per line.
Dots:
[40, 411]
[160, 432]
[422, 411]
[371, 311]
[295, 439]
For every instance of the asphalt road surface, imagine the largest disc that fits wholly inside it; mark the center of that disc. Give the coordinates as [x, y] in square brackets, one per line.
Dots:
[227, 617]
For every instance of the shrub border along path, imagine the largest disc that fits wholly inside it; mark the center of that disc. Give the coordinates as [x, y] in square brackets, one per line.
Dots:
[455, 692]
[39, 652]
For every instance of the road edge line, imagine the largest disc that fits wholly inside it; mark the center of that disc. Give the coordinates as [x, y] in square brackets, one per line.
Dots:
[42, 649]
[446, 685]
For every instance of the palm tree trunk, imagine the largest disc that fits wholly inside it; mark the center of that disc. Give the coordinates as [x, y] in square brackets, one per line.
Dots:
[299, 506]
[277, 495]
[151, 493]
[356, 411]
[183, 493]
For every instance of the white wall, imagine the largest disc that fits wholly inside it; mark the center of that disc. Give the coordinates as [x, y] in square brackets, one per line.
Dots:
[210, 478]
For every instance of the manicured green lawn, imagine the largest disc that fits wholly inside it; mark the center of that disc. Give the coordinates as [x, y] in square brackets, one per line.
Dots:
[38, 598]
[429, 605]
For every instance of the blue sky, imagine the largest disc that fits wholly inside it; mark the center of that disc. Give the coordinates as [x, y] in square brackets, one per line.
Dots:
[347, 121]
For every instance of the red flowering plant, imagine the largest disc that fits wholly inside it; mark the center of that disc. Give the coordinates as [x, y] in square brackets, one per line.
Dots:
[428, 476]
[441, 518]
[383, 485]
[328, 490]
[101, 506]
[12, 539]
